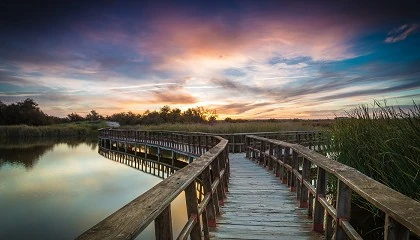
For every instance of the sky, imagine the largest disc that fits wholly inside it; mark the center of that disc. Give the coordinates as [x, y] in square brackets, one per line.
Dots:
[245, 59]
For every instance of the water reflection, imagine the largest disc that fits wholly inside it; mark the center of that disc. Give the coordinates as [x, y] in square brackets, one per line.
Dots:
[27, 153]
[58, 190]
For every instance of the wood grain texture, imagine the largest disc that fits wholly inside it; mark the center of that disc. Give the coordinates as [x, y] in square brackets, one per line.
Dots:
[258, 206]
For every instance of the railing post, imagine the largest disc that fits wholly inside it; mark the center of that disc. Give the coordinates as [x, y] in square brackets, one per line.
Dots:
[318, 215]
[295, 166]
[261, 159]
[163, 225]
[394, 230]
[270, 153]
[216, 175]
[192, 210]
[276, 163]
[306, 168]
[343, 207]
[248, 143]
[286, 160]
[210, 208]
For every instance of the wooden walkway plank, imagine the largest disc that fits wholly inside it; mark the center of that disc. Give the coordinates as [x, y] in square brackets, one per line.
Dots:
[258, 206]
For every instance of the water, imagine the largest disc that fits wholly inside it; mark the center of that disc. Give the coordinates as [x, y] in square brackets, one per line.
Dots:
[57, 191]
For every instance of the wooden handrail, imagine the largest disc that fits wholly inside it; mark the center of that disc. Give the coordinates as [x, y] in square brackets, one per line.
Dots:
[402, 212]
[210, 169]
[314, 139]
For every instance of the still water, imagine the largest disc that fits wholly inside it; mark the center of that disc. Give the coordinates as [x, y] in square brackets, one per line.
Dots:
[59, 190]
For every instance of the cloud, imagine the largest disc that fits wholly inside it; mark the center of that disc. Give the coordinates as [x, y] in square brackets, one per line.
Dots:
[238, 108]
[401, 33]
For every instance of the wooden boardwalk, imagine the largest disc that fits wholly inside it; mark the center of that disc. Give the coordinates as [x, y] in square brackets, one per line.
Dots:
[258, 206]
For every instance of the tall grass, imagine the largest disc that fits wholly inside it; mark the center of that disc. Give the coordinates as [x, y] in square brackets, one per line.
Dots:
[382, 142]
[21, 132]
[241, 127]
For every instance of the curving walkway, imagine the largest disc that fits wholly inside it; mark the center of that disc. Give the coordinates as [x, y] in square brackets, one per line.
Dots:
[258, 206]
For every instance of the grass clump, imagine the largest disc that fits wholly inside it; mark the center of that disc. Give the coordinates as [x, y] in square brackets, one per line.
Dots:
[383, 143]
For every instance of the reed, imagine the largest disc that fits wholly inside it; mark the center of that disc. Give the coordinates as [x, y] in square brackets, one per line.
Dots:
[19, 132]
[241, 127]
[383, 143]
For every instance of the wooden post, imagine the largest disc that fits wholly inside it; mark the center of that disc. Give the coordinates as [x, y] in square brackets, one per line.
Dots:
[306, 168]
[261, 159]
[294, 165]
[247, 144]
[394, 230]
[318, 218]
[286, 160]
[270, 153]
[163, 224]
[343, 207]
[192, 210]
[210, 208]
[276, 163]
[216, 175]
[328, 226]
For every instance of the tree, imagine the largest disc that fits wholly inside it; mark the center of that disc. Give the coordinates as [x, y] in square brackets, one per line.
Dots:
[74, 117]
[93, 116]
[164, 113]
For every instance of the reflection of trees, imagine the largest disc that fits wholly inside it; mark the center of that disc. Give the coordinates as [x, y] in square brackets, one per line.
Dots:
[28, 156]
[28, 153]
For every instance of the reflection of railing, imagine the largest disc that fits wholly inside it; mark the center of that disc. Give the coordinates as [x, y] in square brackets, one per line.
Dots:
[210, 170]
[157, 169]
[293, 164]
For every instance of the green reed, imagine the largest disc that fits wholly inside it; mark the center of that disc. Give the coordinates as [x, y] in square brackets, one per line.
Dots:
[382, 142]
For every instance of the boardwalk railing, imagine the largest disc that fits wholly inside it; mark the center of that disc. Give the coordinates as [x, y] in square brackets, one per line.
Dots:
[294, 163]
[192, 142]
[311, 139]
[211, 169]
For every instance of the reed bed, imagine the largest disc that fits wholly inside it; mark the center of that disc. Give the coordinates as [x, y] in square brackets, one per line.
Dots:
[241, 127]
[20, 132]
[382, 142]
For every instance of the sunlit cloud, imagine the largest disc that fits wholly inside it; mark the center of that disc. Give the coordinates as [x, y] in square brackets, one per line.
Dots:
[401, 33]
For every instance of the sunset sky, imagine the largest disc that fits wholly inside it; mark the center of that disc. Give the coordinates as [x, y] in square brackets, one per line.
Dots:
[246, 59]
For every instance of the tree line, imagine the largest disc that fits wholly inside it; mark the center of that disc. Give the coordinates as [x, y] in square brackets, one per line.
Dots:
[28, 112]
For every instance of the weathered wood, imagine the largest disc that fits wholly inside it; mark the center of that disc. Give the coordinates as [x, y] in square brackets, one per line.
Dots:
[303, 189]
[401, 208]
[130, 220]
[210, 210]
[192, 210]
[318, 217]
[343, 208]
[259, 207]
[163, 224]
[394, 230]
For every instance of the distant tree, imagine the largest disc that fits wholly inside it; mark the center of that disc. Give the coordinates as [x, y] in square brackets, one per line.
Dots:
[24, 112]
[93, 116]
[124, 118]
[74, 117]
[164, 113]
[152, 118]
[2, 109]
[175, 116]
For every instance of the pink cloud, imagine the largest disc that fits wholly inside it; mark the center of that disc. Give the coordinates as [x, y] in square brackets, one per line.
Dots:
[401, 33]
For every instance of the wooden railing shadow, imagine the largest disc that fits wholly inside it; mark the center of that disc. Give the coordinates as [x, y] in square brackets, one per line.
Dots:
[295, 164]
